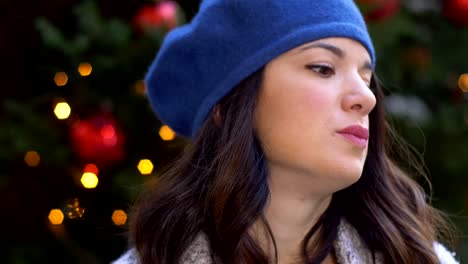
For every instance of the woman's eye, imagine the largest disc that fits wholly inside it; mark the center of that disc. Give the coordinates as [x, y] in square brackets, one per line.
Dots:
[367, 84]
[323, 70]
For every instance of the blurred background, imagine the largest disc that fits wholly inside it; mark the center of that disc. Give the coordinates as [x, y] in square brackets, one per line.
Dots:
[78, 140]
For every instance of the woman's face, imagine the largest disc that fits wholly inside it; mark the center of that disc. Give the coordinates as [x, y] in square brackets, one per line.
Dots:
[312, 113]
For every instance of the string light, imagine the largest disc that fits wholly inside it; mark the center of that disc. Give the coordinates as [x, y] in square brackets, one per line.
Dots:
[145, 166]
[32, 158]
[62, 110]
[56, 216]
[61, 78]
[166, 133]
[140, 88]
[119, 217]
[74, 210]
[85, 69]
[89, 180]
[463, 82]
[91, 168]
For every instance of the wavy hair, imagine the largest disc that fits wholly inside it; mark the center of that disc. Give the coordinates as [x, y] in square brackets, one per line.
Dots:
[219, 187]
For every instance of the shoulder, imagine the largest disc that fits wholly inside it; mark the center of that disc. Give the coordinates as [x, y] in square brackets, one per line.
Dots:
[197, 253]
[445, 256]
[350, 248]
[129, 257]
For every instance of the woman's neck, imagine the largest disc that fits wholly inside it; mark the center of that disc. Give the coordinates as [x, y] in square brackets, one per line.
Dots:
[291, 212]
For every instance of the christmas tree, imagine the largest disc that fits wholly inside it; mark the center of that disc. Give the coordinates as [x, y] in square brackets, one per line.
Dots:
[79, 140]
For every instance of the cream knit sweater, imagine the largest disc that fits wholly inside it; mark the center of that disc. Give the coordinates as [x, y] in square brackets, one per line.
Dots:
[349, 248]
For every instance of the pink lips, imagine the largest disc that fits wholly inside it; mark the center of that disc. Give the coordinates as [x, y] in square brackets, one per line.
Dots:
[356, 134]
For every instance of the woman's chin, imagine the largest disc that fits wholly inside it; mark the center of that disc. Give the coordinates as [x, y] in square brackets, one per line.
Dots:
[348, 178]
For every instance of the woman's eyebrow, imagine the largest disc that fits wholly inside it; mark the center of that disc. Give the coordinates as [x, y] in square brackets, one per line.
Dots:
[336, 51]
[333, 49]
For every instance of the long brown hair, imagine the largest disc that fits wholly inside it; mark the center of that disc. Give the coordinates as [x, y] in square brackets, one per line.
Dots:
[219, 187]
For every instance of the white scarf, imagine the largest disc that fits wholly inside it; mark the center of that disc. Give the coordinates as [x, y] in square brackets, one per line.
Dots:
[349, 248]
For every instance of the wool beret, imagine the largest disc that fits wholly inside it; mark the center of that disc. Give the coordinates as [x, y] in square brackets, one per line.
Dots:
[227, 40]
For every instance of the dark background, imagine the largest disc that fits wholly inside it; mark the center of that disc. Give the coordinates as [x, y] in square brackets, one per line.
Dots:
[421, 53]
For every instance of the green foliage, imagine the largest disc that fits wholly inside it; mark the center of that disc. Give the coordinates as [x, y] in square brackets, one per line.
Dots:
[93, 33]
[25, 130]
[423, 55]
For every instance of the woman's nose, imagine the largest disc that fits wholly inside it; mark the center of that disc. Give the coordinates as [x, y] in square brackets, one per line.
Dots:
[358, 97]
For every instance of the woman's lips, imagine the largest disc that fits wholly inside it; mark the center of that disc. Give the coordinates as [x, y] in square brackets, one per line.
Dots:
[360, 142]
[356, 134]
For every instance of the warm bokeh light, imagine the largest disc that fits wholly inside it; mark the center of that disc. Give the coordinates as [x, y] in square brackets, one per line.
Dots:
[166, 133]
[62, 110]
[61, 78]
[145, 166]
[89, 180]
[463, 82]
[85, 69]
[56, 216]
[140, 88]
[91, 168]
[119, 217]
[32, 158]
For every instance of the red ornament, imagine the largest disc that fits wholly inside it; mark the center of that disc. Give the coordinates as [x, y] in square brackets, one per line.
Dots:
[456, 11]
[380, 10]
[98, 139]
[163, 14]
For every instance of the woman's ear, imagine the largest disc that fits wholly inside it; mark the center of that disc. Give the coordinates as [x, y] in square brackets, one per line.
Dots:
[217, 117]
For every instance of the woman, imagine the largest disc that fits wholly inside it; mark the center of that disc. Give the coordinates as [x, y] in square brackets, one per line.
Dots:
[288, 162]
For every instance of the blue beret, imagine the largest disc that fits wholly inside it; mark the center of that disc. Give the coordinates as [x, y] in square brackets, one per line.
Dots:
[227, 40]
